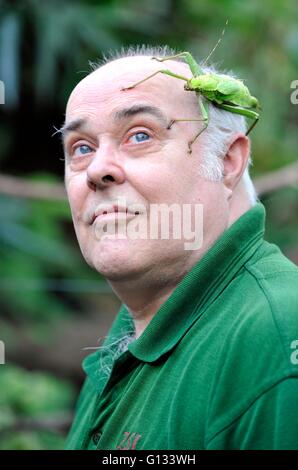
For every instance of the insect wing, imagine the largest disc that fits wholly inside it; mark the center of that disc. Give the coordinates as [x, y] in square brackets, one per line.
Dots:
[206, 82]
[228, 87]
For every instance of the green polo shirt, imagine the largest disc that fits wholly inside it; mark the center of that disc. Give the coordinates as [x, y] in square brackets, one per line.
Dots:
[217, 366]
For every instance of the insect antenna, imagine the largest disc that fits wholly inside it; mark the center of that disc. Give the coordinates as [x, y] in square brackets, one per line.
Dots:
[216, 45]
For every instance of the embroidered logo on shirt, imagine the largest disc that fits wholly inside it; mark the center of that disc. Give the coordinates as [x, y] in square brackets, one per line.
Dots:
[129, 441]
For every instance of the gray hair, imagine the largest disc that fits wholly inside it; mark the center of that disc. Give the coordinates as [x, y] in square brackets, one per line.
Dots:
[110, 350]
[216, 137]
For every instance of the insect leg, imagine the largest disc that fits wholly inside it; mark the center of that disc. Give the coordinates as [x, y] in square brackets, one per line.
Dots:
[177, 120]
[193, 65]
[165, 71]
[205, 119]
[188, 120]
[205, 113]
[169, 57]
[252, 126]
[243, 111]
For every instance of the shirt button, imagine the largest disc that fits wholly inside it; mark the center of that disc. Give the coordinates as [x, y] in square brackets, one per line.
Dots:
[96, 437]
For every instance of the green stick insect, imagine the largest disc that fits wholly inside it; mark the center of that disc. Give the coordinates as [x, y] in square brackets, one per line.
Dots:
[221, 90]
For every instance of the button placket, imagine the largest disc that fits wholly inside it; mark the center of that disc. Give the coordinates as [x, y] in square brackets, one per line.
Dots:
[96, 437]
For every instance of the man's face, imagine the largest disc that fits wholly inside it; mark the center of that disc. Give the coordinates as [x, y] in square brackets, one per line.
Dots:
[124, 150]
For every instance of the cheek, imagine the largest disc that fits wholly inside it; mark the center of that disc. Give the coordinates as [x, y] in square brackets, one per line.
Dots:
[77, 191]
[162, 178]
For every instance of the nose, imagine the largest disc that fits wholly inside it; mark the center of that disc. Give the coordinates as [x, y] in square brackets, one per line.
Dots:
[104, 170]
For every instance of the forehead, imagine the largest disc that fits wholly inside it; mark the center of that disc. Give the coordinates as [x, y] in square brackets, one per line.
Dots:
[99, 94]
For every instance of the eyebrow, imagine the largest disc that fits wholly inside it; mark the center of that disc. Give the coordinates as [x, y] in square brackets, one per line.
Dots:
[140, 109]
[120, 115]
[77, 124]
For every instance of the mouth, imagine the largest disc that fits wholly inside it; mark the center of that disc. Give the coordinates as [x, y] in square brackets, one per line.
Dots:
[112, 212]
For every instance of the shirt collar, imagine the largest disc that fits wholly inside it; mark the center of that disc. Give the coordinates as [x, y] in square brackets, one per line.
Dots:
[201, 286]
[197, 290]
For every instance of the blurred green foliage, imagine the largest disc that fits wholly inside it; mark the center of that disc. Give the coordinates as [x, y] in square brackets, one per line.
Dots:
[44, 51]
[33, 394]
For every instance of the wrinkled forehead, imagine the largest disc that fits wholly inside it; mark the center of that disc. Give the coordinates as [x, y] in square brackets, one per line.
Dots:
[102, 89]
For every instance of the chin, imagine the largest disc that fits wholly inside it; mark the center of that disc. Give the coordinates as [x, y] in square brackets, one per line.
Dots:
[117, 272]
[115, 259]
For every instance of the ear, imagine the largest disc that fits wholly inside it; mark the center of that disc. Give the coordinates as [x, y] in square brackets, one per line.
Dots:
[235, 161]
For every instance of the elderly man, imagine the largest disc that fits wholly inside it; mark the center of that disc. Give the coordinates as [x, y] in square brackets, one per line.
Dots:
[203, 352]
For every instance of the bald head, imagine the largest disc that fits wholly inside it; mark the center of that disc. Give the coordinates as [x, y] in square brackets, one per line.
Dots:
[107, 82]
[119, 144]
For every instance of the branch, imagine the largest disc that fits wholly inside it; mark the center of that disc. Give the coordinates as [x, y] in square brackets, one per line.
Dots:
[58, 424]
[270, 182]
[14, 186]
[18, 187]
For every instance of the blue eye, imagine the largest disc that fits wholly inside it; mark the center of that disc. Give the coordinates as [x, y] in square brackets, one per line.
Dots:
[84, 150]
[140, 136]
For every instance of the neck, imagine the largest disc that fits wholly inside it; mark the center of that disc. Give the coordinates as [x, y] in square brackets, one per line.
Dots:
[239, 204]
[145, 294]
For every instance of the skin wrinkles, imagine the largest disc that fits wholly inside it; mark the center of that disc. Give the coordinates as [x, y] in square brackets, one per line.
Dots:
[123, 116]
[80, 125]
[144, 273]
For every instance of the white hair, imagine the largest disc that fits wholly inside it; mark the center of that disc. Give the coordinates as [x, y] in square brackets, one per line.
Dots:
[215, 140]
[221, 127]
[116, 346]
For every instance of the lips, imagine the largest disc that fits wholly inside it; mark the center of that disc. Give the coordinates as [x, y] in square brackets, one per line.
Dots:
[103, 210]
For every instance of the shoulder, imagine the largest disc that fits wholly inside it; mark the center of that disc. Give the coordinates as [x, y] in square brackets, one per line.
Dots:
[269, 423]
[276, 284]
[265, 322]
[258, 311]
[260, 346]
